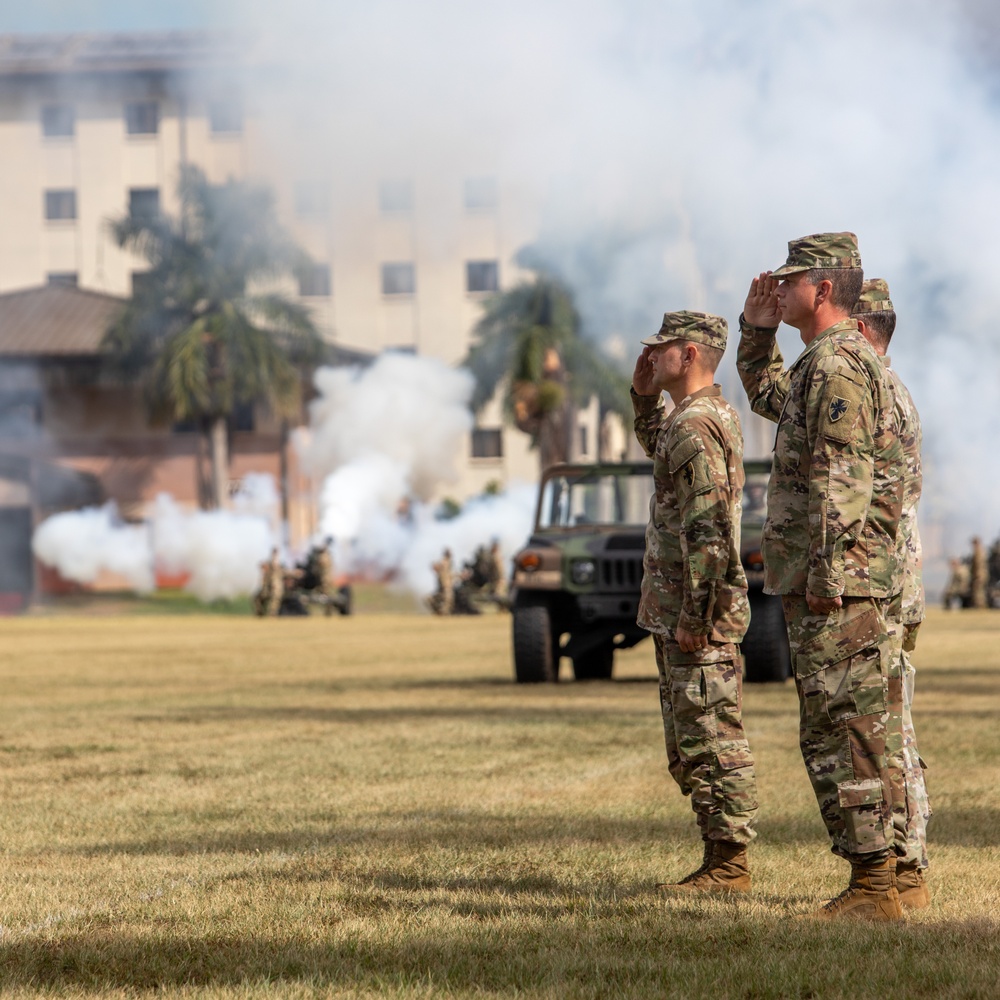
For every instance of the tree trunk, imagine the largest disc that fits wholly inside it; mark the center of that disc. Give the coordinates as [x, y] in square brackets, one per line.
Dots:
[554, 436]
[219, 447]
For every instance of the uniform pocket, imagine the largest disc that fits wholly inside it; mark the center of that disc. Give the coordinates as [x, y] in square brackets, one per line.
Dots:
[863, 808]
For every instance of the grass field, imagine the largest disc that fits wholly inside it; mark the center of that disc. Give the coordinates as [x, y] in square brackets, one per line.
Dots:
[220, 806]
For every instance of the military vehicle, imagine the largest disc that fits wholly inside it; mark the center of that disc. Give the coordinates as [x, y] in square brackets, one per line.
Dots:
[575, 589]
[304, 586]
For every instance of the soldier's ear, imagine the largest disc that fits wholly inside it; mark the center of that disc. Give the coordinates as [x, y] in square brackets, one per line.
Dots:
[823, 290]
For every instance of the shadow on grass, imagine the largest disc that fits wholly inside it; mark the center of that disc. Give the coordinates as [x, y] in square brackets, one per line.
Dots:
[464, 831]
[576, 715]
[652, 951]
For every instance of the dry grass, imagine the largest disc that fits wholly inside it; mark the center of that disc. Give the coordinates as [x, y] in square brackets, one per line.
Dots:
[217, 806]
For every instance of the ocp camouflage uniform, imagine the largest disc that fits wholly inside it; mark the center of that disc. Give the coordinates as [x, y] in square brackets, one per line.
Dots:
[693, 578]
[834, 501]
[272, 588]
[905, 612]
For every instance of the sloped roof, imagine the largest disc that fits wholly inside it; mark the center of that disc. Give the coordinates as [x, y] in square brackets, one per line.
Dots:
[110, 52]
[55, 321]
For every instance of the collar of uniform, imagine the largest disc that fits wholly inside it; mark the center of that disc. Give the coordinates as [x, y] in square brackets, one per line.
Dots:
[709, 390]
[848, 326]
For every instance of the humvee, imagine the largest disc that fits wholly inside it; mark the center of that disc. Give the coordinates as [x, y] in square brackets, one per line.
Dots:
[575, 588]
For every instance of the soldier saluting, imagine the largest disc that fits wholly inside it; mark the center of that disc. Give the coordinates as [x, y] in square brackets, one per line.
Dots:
[829, 544]
[694, 590]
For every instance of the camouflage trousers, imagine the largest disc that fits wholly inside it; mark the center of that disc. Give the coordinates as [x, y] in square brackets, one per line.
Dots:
[841, 664]
[701, 700]
[918, 807]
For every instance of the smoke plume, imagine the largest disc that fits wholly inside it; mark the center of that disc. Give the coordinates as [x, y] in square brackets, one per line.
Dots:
[383, 439]
[666, 153]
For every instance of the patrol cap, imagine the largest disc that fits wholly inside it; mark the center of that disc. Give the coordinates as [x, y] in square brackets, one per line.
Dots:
[874, 297]
[820, 250]
[700, 328]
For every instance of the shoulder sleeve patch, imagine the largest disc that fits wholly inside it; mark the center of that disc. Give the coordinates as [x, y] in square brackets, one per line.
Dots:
[840, 403]
[688, 465]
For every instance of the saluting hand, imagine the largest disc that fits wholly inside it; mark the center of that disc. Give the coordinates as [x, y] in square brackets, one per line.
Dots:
[642, 377]
[761, 306]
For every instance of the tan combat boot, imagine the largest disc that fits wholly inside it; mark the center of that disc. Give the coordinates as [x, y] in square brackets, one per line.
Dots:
[911, 884]
[870, 895]
[726, 868]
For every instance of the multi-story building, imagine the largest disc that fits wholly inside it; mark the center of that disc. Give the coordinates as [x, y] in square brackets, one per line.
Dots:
[94, 125]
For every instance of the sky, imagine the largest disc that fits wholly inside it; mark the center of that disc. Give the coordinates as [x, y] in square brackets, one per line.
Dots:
[673, 147]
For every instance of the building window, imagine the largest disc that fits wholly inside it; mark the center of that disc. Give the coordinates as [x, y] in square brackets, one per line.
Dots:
[242, 418]
[66, 279]
[20, 410]
[481, 276]
[487, 442]
[312, 200]
[58, 121]
[144, 203]
[142, 118]
[315, 280]
[398, 279]
[225, 117]
[60, 205]
[480, 194]
[584, 442]
[395, 196]
[140, 283]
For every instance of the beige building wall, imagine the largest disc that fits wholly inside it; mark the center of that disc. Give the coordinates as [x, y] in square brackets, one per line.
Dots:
[348, 228]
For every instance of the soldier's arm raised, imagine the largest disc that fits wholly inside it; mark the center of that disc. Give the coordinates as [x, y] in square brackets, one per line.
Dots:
[758, 360]
[647, 404]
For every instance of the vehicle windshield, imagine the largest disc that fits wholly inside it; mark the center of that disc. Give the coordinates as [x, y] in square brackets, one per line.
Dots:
[588, 498]
[755, 496]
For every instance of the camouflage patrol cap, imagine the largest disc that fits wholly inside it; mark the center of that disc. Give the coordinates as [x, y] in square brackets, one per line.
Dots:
[700, 328]
[820, 250]
[874, 297]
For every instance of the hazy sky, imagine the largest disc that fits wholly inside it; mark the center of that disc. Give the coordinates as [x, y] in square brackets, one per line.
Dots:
[104, 15]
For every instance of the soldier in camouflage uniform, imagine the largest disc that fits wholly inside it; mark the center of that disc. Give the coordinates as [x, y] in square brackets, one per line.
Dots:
[959, 584]
[980, 574]
[829, 544]
[876, 319]
[267, 601]
[694, 591]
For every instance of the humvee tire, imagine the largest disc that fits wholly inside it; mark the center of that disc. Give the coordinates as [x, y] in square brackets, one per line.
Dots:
[596, 664]
[765, 646]
[535, 660]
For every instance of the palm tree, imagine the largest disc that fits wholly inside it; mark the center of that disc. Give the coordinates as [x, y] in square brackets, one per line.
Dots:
[198, 333]
[529, 340]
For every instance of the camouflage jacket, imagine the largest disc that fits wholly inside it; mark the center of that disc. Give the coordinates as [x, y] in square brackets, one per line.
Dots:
[836, 489]
[692, 574]
[908, 536]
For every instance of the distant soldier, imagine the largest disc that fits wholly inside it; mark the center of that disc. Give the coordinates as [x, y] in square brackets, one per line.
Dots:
[694, 590]
[980, 576]
[498, 573]
[442, 601]
[325, 580]
[994, 571]
[876, 318]
[267, 601]
[959, 584]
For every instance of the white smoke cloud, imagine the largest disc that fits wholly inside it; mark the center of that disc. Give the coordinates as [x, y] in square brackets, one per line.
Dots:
[670, 151]
[84, 543]
[385, 438]
[219, 551]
